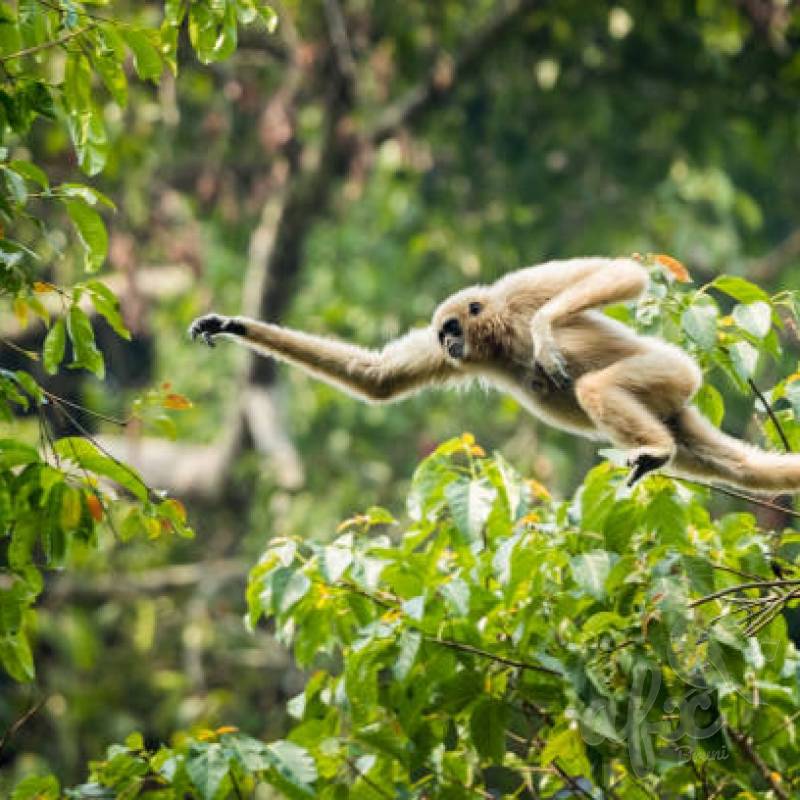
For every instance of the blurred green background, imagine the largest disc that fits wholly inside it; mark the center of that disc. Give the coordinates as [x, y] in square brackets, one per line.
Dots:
[449, 145]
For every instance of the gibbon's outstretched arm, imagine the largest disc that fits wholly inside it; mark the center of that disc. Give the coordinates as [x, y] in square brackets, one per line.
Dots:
[402, 367]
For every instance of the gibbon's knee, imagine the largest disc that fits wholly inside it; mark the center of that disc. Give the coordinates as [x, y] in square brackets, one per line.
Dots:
[620, 415]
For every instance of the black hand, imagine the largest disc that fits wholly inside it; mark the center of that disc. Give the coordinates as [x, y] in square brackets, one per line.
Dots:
[213, 324]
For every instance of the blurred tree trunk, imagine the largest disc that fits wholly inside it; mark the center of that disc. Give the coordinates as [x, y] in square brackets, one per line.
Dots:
[307, 176]
[278, 242]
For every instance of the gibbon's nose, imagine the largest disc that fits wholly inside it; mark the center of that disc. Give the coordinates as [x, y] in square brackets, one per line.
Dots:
[452, 327]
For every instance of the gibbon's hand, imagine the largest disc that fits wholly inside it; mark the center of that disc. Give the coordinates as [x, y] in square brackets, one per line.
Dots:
[546, 353]
[212, 325]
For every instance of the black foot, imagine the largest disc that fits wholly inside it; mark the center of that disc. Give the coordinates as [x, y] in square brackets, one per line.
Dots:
[212, 325]
[643, 464]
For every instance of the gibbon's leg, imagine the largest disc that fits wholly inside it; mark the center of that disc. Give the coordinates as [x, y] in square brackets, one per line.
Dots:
[609, 281]
[401, 367]
[630, 401]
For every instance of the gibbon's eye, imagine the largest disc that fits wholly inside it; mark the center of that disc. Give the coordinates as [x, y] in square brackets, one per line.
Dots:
[475, 308]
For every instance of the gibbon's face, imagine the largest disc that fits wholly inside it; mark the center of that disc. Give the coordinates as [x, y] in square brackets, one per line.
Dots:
[459, 324]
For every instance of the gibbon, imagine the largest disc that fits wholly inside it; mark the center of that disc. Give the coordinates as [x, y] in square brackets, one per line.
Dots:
[535, 334]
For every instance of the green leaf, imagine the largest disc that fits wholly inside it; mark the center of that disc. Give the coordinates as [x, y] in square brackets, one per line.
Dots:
[113, 77]
[107, 305]
[53, 347]
[590, 571]
[293, 762]
[203, 31]
[13, 453]
[91, 230]
[408, 644]
[86, 455]
[487, 728]
[88, 194]
[36, 787]
[146, 59]
[755, 318]
[744, 358]
[289, 587]
[456, 593]
[699, 321]
[710, 403]
[16, 185]
[85, 352]
[700, 573]
[667, 517]
[16, 657]
[470, 503]
[566, 747]
[30, 171]
[740, 289]
[334, 560]
[88, 133]
[207, 768]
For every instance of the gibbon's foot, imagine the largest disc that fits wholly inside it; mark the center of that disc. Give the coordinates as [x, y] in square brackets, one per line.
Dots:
[642, 463]
[212, 325]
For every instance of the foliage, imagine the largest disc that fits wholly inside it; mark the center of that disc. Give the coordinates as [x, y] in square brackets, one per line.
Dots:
[53, 498]
[508, 644]
[591, 129]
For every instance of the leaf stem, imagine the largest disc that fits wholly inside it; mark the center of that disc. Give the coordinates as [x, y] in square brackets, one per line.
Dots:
[47, 45]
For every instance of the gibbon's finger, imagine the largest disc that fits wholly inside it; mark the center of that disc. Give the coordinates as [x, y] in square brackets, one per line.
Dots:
[557, 373]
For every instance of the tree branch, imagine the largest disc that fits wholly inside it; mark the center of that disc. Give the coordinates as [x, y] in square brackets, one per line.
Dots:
[770, 414]
[18, 723]
[442, 79]
[745, 745]
[714, 487]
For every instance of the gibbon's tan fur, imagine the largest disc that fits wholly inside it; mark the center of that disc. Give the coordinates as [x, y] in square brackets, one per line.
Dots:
[535, 335]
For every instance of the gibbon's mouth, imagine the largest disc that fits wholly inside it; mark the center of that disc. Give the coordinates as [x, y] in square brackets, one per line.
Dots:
[455, 349]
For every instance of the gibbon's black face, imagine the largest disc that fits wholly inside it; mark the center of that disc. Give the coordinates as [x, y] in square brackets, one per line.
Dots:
[451, 337]
[452, 321]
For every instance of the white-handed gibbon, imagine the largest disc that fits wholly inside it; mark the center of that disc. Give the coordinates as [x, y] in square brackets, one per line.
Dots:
[535, 335]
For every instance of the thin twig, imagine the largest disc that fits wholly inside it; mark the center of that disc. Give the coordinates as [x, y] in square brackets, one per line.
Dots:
[122, 423]
[453, 644]
[477, 651]
[741, 573]
[745, 745]
[771, 414]
[121, 464]
[372, 785]
[766, 616]
[46, 45]
[715, 487]
[741, 587]
[785, 724]
[573, 783]
[18, 723]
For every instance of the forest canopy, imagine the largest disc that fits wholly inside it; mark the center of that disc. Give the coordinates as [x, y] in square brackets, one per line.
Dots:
[219, 578]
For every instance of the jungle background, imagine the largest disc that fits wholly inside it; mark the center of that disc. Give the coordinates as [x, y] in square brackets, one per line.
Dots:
[339, 166]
